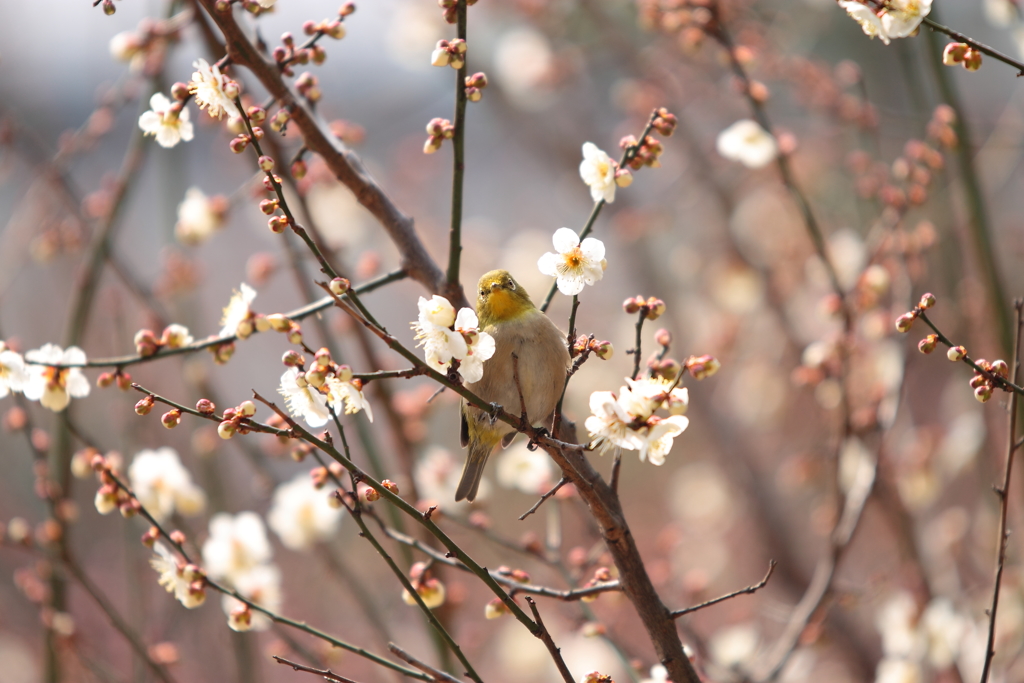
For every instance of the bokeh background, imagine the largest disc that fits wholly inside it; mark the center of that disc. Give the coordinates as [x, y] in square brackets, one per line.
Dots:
[761, 470]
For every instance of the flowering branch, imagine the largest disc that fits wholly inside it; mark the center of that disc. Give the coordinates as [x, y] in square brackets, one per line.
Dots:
[1004, 498]
[980, 47]
[743, 591]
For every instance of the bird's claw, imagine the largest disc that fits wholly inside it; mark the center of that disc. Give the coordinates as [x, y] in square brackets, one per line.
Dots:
[539, 434]
[493, 414]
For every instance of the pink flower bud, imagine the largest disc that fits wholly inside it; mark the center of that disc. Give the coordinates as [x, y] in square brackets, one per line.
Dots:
[226, 429]
[632, 304]
[927, 301]
[144, 406]
[972, 62]
[295, 334]
[238, 144]
[232, 90]
[206, 406]
[277, 224]
[663, 337]
[432, 144]
[266, 163]
[999, 367]
[146, 343]
[956, 353]
[105, 380]
[347, 9]
[604, 350]
[336, 30]
[293, 359]
[390, 486]
[299, 169]
[983, 393]
[927, 345]
[440, 57]
[371, 495]
[171, 419]
[150, 537]
[954, 53]
[340, 285]
[623, 177]
[269, 206]
[309, 27]
[179, 91]
[474, 94]
[905, 322]
[124, 381]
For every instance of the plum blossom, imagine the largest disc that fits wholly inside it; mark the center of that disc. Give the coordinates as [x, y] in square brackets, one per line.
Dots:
[51, 386]
[345, 397]
[167, 121]
[598, 171]
[237, 314]
[199, 217]
[211, 89]
[627, 421]
[184, 581]
[237, 544]
[576, 264]
[869, 21]
[163, 485]
[902, 17]
[748, 143]
[442, 344]
[301, 514]
[303, 400]
[529, 471]
[13, 375]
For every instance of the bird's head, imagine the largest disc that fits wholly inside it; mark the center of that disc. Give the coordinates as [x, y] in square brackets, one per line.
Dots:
[500, 298]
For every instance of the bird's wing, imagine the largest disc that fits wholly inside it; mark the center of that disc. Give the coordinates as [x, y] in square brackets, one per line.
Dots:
[463, 427]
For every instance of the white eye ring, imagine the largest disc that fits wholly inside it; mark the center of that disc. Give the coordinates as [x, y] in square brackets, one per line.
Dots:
[512, 285]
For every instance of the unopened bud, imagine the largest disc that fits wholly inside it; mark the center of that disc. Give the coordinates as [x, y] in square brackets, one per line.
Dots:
[632, 304]
[390, 486]
[954, 53]
[340, 285]
[146, 343]
[927, 301]
[983, 393]
[124, 381]
[232, 90]
[999, 367]
[656, 308]
[145, 405]
[956, 353]
[269, 206]
[105, 380]
[247, 408]
[474, 94]
[432, 144]
[905, 322]
[371, 495]
[238, 144]
[108, 7]
[496, 609]
[171, 419]
[277, 224]
[927, 345]
[150, 537]
[293, 359]
[299, 169]
[206, 406]
[295, 334]
[440, 57]
[226, 429]
[663, 337]
[623, 177]
[972, 62]
[603, 349]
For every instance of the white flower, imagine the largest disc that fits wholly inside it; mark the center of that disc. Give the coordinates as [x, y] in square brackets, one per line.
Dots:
[748, 143]
[208, 85]
[598, 171]
[303, 400]
[262, 586]
[440, 344]
[943, 631]
[866, 17]
[169, 124]
[896, 623]
[436, 311]
[480, 348]
[609, 423]
[345, 397]
[198, 218]
[656, 438]
[576, 264]
[526, 470]
[50, 386]
[163, 485]
[902, 17]
[184, 581]
[237, 312]
[266, 4]
[237, 544]
[301, 514]
[13, 375]
[898, 671]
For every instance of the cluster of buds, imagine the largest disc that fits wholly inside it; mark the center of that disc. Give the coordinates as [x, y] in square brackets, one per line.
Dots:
[438, 130]
[517, 575]
[940, 127]
[430, 589]
[906, 321]
[235, 419]
[174, 337]
[963, 54]
[332, 28]
[475, 85]
[329, 378]
[222, 353]
[120, 377]
[280, 120]
[665, 368]
[587, 344]
[701, 367]
[371, 494]
[308, 86]
[449, 53]
[664, 122]
[601, 576]
[985, 380]
[902, 183]
[110, 496]
[652, 307]
[321, 475]
[450, 9]
[241, 142]
[642, 153]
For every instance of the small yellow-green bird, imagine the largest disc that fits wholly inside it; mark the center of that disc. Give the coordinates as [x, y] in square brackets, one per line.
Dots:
[519, 329]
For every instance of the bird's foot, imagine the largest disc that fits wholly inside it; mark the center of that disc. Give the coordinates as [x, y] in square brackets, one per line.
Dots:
[493, 414]
[539, 434]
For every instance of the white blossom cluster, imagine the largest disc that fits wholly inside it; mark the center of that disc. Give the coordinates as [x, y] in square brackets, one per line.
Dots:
[38, 375]
[446, 336]
[628, 420]
[898, 19]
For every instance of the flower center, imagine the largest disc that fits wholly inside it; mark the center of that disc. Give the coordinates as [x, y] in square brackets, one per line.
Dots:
[574, 258]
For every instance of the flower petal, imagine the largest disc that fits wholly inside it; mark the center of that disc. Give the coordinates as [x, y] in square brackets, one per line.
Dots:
[565, 240]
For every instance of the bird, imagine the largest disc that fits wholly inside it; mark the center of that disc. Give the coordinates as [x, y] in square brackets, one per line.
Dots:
[527, 344]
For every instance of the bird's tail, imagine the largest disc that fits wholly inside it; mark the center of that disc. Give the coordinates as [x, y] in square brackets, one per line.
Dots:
[479, 451]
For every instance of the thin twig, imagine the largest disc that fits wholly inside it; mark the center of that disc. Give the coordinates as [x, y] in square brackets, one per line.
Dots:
[458, 153]
[435, 674]
[744, 591]
[998, 381]
[1004, 500]
[554, 489]
[980, 47]
[325, 673]
[641, 317]
[549, 643]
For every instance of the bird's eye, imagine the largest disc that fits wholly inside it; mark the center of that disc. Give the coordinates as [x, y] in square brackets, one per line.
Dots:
[483, 292]
[512, 285]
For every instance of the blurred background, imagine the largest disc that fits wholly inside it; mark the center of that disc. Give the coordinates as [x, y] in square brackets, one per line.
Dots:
[766, 464]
